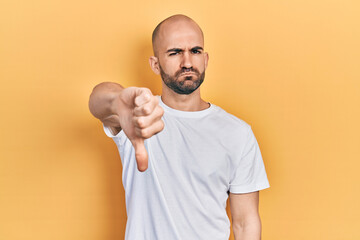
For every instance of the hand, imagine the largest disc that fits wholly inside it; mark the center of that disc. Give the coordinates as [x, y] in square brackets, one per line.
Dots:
[140, 118]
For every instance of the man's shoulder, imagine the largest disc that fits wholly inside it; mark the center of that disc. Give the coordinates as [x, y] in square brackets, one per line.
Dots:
[229, 120]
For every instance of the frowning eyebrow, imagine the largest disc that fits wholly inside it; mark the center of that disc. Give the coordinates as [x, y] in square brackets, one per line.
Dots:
[197, 48]
[181, 50]
[174, 50]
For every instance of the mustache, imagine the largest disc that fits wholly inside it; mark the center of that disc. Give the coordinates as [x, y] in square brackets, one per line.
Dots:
[187, 70]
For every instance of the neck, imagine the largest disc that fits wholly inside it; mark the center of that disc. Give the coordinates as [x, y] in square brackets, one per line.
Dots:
[191, 102]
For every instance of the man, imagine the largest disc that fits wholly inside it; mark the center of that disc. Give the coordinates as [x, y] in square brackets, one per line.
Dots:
[182, 156]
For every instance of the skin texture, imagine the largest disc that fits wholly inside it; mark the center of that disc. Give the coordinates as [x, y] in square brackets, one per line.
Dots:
[246, 221]
[135, 110]
[179, 53]
[179, 58]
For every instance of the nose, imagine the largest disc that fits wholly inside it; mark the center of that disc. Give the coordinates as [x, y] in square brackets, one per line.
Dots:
[186, 61]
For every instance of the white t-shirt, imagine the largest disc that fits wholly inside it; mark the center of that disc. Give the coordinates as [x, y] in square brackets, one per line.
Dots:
[193, 163]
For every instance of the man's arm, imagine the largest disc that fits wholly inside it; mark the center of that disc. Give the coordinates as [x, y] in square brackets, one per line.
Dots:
[245, 216]
[135, 110]
[103, 104]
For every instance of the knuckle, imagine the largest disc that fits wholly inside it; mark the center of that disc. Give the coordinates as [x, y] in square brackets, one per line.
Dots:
[144, 133]
[162, 125]
[161, 111]
[146, 110]
[140, 122]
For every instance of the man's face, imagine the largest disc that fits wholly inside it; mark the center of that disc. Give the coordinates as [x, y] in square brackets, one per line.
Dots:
[181, 58]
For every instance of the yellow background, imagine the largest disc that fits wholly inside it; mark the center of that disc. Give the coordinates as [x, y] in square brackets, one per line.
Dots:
[288, 68]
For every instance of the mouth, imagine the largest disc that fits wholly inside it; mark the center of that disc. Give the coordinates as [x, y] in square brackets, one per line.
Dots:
[187, 74]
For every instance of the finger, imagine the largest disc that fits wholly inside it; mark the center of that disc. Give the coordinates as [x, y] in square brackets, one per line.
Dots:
[141, 154]
[143, 95]
[146, 108]
[153, 129]
[146, 121]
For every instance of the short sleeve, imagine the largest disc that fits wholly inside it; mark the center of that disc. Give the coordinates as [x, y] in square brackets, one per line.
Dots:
[120, 139]
[109, 133]
[250, 174]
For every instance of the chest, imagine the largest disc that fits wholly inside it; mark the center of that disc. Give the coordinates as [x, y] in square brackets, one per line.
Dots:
[190, 154]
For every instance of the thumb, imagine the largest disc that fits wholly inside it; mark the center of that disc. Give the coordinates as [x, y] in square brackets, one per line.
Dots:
[141, 154]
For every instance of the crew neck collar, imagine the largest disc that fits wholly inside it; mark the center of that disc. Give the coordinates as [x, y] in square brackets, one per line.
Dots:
[186, 114]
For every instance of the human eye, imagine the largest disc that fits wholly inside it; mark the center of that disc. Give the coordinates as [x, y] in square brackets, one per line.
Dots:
[173, 53]
[196, 51]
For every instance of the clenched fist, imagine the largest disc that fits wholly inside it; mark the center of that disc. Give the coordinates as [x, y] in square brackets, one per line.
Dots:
[140, 118]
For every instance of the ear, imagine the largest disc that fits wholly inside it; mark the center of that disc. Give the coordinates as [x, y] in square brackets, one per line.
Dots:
[154, 64]
[206, 56]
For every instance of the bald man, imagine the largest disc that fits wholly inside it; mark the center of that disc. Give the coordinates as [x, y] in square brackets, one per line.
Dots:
[182, 157]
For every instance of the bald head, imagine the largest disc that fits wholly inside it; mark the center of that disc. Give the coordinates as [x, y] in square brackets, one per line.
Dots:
[171, 24]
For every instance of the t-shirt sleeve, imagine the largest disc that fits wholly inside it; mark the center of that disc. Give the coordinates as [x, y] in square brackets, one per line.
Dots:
[120, 139]
[249, 174]
[109, 133]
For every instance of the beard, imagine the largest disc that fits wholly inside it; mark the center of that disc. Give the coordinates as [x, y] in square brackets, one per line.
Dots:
[187, 85]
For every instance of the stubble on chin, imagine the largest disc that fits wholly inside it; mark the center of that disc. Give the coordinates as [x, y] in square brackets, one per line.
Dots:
[185, 86]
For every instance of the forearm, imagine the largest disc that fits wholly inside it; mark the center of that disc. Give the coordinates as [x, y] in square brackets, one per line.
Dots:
[248, 231]
[104, 100]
